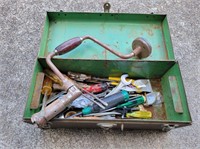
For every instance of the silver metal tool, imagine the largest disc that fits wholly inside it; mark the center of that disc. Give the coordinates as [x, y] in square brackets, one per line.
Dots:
[92, 100]
[122, 83]
[147, 88]
[151, 98]
[51, 99]
[103, 114]
[58, 87]
[95, 97]
[103, 94]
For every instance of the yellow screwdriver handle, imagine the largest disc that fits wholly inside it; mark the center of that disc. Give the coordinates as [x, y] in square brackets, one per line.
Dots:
[139, 114]
[118, 79]
[53, 76]
[114, 83]
[47, 86]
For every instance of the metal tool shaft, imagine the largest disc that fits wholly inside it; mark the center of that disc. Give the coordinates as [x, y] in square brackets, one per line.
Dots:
[111, 50]
[44, 104]
[140, 47]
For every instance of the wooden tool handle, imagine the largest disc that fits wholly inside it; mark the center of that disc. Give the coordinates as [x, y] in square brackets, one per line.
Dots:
[68, 45]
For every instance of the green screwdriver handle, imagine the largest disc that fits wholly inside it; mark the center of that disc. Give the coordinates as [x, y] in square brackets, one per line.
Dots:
[137, 101]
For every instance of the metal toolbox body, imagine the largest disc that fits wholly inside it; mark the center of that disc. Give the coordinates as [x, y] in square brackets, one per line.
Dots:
[118, 31]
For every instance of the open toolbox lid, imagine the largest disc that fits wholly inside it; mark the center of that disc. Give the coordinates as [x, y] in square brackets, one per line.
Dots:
[115, 30]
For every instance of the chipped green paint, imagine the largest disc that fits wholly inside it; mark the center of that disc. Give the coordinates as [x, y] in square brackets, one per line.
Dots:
[44, 37]
[175, 94]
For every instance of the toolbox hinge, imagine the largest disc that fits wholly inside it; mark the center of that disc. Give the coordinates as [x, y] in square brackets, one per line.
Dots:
[168, 127]
[106, 7]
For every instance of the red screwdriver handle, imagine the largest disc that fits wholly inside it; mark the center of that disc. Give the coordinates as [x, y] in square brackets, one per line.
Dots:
[68, 45]
[97, 88]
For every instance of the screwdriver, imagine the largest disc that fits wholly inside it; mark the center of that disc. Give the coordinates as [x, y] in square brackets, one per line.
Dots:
[131, 103]
[118, 79]
[112, 101]
[137, 83]
[139, 114]
[46, 91]
[97, 88]
[53, 76]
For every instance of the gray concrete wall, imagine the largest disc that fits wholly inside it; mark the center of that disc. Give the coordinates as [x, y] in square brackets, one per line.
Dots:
[21, 24]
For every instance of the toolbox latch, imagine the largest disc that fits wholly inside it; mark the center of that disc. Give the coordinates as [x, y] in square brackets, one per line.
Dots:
[168, 127]
[106, 126]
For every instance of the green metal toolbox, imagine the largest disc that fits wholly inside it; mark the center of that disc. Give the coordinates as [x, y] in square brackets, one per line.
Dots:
[118, 31]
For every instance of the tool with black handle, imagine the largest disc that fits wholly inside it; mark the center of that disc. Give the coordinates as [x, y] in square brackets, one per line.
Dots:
[135, 101]
[112, 101]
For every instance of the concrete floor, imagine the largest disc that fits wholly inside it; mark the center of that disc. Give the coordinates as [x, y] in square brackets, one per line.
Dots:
[21, 24]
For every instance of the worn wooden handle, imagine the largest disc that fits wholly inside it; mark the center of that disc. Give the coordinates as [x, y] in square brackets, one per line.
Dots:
[68, 45]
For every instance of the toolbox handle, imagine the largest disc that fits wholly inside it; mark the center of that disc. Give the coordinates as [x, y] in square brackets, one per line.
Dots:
[68, 45]
[106, 126]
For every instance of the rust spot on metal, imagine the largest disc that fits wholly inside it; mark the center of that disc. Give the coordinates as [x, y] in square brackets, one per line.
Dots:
[94, 57]
[132, 33]
[135, 65]
[175, 94]
[165, 46]
[121, 27]
[102, 29]
[115, 45]
[156, 26]
[104, 53]
[156, 85]
[150, 32]
[158, 111]
[105, 64]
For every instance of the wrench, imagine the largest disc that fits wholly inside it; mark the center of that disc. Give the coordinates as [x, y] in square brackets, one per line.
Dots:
[122, 83]
[103, 94]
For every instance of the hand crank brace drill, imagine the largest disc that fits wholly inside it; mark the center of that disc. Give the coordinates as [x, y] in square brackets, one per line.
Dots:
[141, 49]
